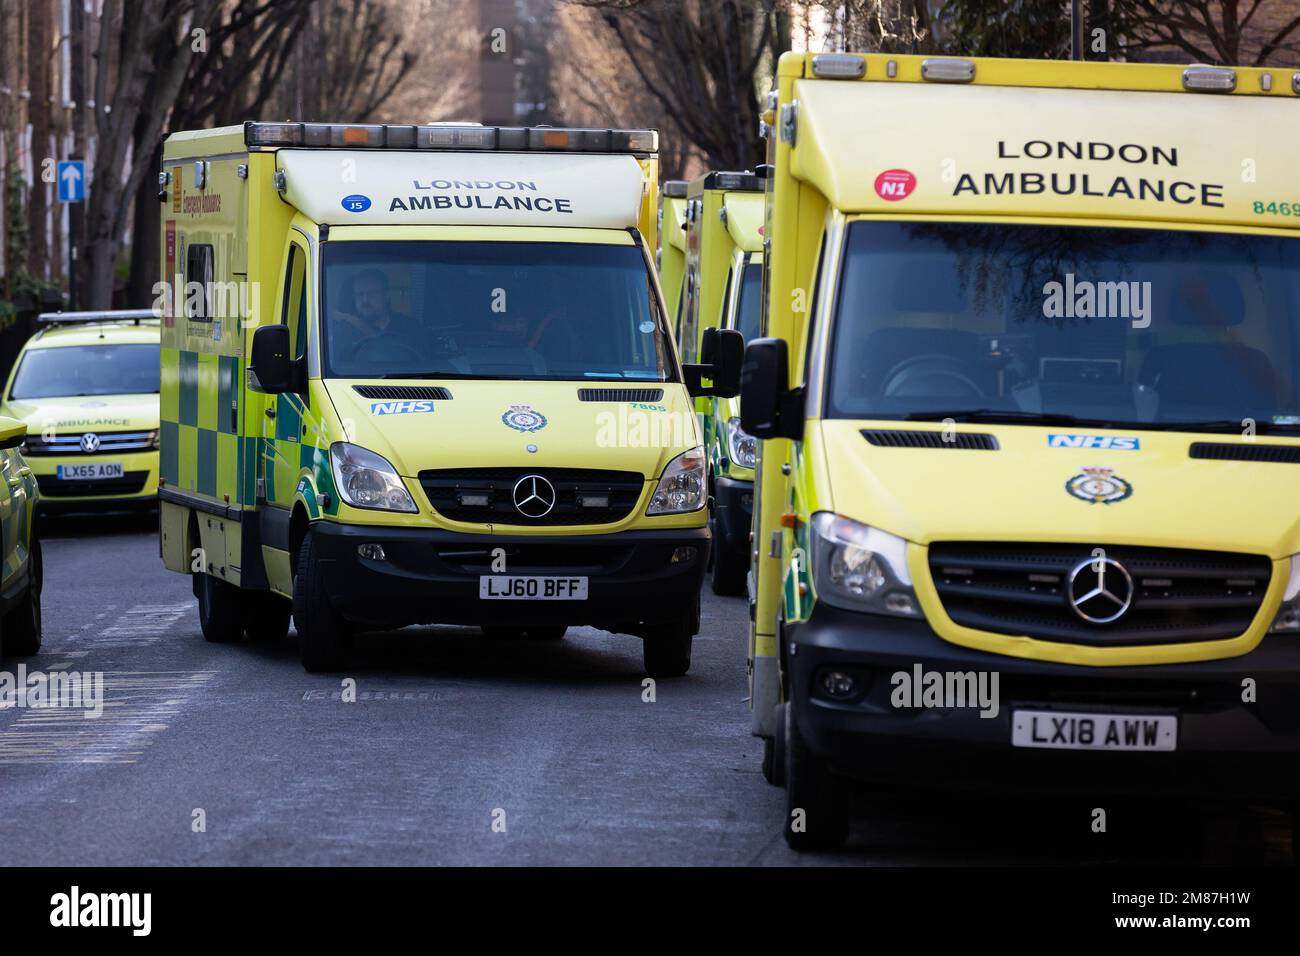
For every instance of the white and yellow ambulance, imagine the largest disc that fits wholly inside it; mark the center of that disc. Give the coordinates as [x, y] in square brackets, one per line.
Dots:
[670, 260]
[86, 385]
[1029, 410]
[446, 390]
[724, 270]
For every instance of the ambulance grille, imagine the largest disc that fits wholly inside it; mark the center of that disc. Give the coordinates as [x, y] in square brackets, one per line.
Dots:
[400, 393]
[1231, 451]
[902, 438]
[1178, 595]
[106, 443]
[620, 394]
[486, 495]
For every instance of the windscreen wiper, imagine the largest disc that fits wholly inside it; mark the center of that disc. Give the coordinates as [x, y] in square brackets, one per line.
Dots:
[1226, 425]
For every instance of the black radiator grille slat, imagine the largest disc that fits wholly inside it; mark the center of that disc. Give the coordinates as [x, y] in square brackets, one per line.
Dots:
[447, 490]
[906, 438]
[620, 394]
[1179, 595]
[399, 393]
[1246, 451]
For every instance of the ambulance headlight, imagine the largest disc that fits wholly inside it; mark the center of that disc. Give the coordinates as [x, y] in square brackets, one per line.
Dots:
[152, 440]
[861, 568]
[743, 446]
[367, 480]
[682, 487]
[1288, 615]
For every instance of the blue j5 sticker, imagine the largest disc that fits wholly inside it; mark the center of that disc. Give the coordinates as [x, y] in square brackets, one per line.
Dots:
[1109, 442]
[400, 408]
[356, 203]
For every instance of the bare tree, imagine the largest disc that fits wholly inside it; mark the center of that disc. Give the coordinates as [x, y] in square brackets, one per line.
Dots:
[145, 51]
[700, 60]
[879, 26]
[1230, 32]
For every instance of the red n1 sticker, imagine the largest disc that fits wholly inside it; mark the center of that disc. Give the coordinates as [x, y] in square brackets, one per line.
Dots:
[895, 184]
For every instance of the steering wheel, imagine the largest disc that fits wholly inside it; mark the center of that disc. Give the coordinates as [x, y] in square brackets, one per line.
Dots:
[391, 339]
[931, 375]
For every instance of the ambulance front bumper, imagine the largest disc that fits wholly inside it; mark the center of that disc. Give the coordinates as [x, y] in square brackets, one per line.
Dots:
[136, 486]
[634, 579]
[733, 504]
[1225, 745]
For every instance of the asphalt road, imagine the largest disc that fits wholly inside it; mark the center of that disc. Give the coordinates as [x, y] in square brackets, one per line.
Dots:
[458, 750]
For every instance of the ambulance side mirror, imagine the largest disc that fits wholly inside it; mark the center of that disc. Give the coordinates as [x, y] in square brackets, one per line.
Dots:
[271, 369]
[12, 432]
[767, 408]
[721, 353]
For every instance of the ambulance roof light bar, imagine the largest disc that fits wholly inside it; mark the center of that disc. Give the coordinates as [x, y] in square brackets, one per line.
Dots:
[674, 189]
[135, 316]
[450, 136]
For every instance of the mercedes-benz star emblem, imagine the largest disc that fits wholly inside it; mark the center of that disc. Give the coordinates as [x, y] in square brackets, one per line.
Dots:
[534, 496]
[1100, 590]
[89, 442]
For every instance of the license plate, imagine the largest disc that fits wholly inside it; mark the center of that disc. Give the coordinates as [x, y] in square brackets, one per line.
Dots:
[89, 472]
[522, 587]
[1062, 730]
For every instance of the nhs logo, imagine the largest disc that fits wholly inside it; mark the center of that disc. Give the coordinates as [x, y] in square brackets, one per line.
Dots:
[400, 408]
[1109, 442]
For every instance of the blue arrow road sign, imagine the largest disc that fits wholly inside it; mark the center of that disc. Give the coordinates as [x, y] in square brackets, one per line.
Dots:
[72, 180]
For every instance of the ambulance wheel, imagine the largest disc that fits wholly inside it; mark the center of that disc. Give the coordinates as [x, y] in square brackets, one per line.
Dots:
[727, 576]
[774, 752]
[816, 817]
[266, 617]
[323, 635]
[219, 610]
[666, 649]
[22, 625]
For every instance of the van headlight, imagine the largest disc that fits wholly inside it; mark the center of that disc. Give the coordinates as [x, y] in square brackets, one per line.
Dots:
[367, 480]
[744, 447]
[681, 487]
[1288, 615]
[861, 568]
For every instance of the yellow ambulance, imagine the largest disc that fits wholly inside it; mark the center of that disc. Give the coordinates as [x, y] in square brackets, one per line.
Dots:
[670, 260]
[423, 374]
[20, 548]
[724, 276]
[86, 385]
[1029, 410]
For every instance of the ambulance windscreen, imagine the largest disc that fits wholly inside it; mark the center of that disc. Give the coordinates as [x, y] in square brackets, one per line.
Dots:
[1107, 326]
[491, 310]
[77, 370]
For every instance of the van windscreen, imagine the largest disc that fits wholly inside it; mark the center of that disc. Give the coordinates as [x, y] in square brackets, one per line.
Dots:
[496, 310]
[76, 370]
[1110, 326]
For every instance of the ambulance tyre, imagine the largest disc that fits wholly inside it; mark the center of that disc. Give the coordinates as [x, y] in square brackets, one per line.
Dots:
[323, 635]
[220, 614]
[816, 817]
[667, 648]
[266, 617]
[727, 577]
[22, 625]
